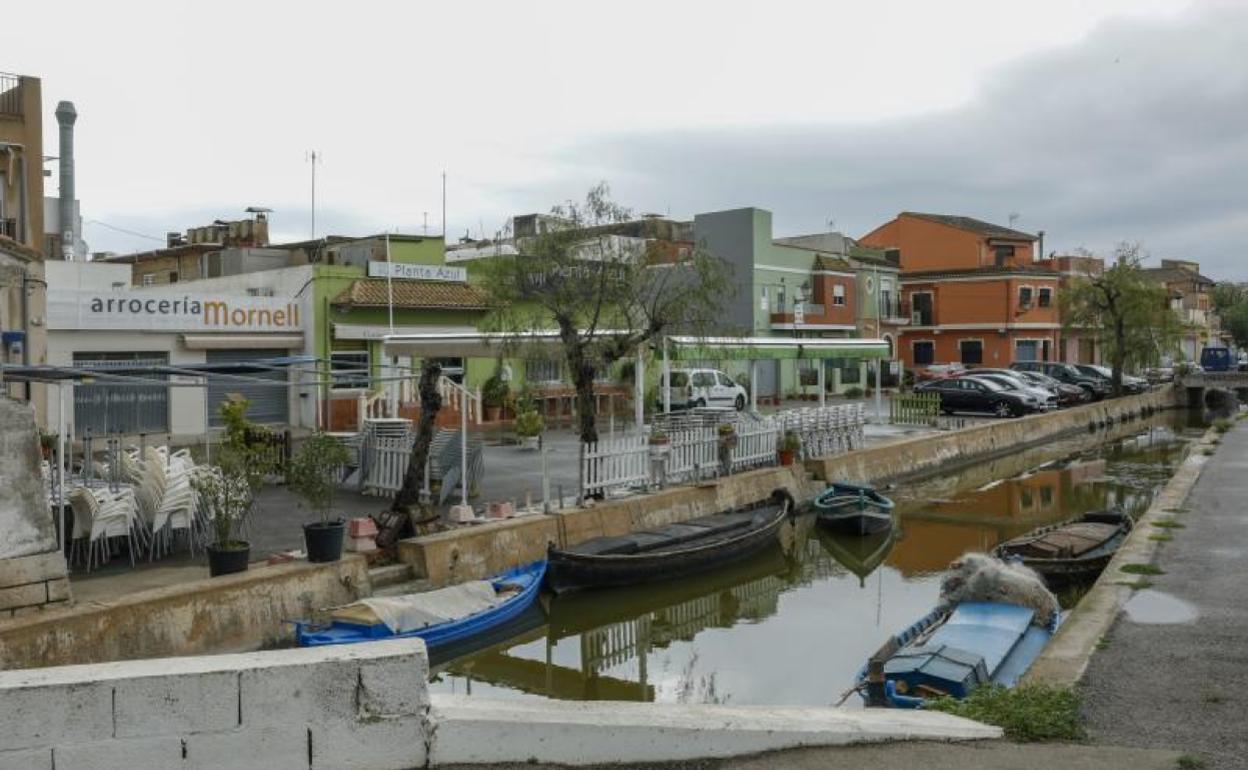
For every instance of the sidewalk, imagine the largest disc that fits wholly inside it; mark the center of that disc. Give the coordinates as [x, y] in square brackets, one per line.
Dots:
[1164, 679]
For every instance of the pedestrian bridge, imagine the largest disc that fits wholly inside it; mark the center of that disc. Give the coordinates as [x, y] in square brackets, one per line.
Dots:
[1201, 386]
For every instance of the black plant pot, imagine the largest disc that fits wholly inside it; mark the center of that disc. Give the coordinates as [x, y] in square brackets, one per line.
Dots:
[226, 561]
[324, 541]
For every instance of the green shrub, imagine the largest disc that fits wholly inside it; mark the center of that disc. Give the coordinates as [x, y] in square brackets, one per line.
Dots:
[1223, 424]
[852, 392]
[790, 442]
[1142, 569]
[1028, 713]
[494, 391]
[313, 471]
[529, 423]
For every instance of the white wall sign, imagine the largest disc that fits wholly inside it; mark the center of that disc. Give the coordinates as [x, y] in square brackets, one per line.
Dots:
[402, 270]
[128, 310]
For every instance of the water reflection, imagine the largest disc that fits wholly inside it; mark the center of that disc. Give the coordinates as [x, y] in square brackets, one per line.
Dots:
[795, 624]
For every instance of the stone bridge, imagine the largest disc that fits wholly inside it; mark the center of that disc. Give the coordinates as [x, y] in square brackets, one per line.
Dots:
[1202, 388]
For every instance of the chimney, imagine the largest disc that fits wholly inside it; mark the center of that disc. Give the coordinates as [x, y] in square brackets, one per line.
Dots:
[66, 116]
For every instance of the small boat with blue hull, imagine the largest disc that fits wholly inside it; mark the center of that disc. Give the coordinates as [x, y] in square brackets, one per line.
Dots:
[950, 652]
[441, 617]
[853, 509]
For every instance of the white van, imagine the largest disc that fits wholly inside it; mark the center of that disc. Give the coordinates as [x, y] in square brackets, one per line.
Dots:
[704, 387]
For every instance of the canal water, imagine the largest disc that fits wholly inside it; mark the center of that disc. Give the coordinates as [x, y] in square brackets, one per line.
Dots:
[794, 625]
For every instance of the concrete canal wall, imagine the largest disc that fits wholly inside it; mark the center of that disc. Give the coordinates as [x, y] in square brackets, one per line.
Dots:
[477, 552]
[368, 706]
[232, 612]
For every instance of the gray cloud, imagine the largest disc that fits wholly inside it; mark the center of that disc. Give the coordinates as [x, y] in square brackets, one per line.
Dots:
[1139, 132]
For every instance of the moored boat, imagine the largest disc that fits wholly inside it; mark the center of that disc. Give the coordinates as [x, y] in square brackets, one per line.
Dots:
[853, 509]
[440, 617]
[669, 552]
[860, 555]
[1071, 551]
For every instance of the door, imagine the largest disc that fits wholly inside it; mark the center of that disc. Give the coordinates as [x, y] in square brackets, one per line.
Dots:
[768, 379]
[725, 389]
[270, 403]
[703, 387]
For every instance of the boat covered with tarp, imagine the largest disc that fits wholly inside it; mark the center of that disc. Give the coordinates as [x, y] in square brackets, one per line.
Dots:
[853, 509]
[440, 617]
[670, 552]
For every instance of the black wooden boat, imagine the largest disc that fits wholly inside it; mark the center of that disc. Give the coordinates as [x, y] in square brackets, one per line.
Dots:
[1071, 551]
[669, 552]
[854, 509]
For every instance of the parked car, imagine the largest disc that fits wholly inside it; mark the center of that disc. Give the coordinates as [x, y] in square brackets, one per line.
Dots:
[1095, 386]
[971, 394]
[939, 371]
[1130, 384]
[695, 388]
[1216, 359]
[1040, 398]
[1067, 395]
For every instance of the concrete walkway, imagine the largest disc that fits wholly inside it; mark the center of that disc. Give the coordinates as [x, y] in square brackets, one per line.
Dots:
[1163, 679]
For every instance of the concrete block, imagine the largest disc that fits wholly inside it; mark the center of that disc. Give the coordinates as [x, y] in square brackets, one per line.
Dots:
[31, 569]
[50, 715]
[295, 695]
[176, 703]
[23, 596]
[394, 687]
[26, 759]
[268, 748]
[123, 754]
[476, 730]
[373, 744]
[58, 590]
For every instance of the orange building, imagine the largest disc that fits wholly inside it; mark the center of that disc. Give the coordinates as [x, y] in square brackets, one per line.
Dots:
[973, 293]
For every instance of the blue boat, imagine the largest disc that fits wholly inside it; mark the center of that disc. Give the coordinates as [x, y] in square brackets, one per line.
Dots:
[853, 509]
[440, 617]
[951, 652]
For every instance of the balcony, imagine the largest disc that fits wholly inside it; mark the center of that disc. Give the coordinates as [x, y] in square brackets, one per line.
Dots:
[10, 95]
[894, 311]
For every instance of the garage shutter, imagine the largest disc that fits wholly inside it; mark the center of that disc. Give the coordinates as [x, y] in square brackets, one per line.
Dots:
[105, 409]
[269, 403]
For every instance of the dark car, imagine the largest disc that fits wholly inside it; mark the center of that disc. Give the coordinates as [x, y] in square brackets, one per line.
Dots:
[1096, 388]
[1130, 385]
[1066, 394]
[972, 394]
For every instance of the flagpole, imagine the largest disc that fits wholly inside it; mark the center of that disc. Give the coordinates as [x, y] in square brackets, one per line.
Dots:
[389, 284]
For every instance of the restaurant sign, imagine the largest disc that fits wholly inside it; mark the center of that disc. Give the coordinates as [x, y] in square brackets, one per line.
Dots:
[404, 271]
[127, 310]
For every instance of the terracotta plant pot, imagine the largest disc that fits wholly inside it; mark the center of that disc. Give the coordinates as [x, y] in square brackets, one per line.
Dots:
[787, 456]
[492, 413]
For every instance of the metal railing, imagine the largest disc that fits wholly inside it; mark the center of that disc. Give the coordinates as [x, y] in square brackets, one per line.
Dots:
[10, 94]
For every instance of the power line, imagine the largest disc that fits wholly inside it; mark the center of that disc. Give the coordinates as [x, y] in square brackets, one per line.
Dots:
[123, 230]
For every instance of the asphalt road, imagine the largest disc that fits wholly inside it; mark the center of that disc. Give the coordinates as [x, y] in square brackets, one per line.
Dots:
[1184, 685]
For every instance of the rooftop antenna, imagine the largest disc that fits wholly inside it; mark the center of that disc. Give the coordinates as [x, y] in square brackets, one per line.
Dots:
[424, 226]
[313, 157]
[1013, 217]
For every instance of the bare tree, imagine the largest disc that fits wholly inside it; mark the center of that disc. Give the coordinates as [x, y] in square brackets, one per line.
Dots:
[407, 501]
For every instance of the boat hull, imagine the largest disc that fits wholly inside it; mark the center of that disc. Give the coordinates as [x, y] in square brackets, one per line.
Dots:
[529, 577]
[853, 509]
[568, 571]
[1057, 571]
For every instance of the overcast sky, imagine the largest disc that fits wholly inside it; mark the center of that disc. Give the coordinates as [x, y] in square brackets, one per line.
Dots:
[1095, 120]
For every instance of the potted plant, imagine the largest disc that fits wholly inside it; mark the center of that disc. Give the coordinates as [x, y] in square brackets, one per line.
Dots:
[660, 442]
[789, 446]
[227, 492]
[493, 395]
[312, 475]
[47, 444]
[528, 425]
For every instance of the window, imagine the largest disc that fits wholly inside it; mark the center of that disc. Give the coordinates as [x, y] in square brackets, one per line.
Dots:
[542, 370]
[922, 308]
[762, 302]
[924, 353]
[1027, 350]
[703, 380]
[972, 351]
[1045, 298]
[1003, 254]
[348, 369]
[1024, 296]
[724, 381]
[148, 279]
[838, 294]
[173, 276]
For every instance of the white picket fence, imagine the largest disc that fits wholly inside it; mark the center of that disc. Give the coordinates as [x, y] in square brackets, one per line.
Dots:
[385, 464]
[623, 462]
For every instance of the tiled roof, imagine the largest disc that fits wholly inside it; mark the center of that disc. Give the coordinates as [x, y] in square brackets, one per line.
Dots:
[1038, 272]
[1175, 275]
[373, 292]
[974, 225]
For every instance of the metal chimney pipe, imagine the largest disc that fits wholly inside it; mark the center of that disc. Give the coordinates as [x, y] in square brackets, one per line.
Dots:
[66, 116]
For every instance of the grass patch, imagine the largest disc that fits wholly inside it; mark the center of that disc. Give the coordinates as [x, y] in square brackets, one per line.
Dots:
[1168, 524]
[1136, 585]
[1223, 424]
[1192, 762]
[1161, 537]
[1102, 644]
[1174, 510]
[1142, 569]
[1029, 713]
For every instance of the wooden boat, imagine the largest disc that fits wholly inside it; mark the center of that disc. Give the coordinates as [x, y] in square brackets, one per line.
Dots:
[953, 651]
[668, 552]
[440, 617]
[1071, 551]
[853, 509]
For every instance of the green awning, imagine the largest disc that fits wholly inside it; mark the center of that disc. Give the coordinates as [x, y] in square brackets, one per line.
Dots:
[773, 348]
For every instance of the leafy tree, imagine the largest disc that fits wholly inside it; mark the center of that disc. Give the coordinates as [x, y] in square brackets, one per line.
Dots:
[1129, 314]
[604, 296]
[1230, 302]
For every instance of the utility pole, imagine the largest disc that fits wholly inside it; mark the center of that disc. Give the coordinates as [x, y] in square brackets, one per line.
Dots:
[444, 210]
[313, 157]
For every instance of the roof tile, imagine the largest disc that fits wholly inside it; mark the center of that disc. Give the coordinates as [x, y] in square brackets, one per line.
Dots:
[373, 292]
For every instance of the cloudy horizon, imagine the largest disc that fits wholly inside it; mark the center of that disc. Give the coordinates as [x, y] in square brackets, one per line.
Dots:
[1096, 121]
